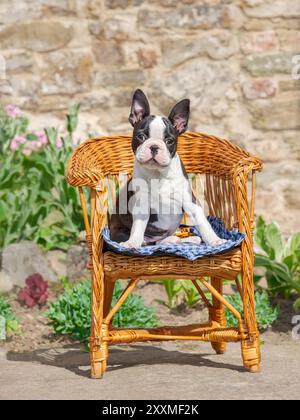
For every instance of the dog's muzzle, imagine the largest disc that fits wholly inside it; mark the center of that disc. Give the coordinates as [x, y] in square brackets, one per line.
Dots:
[153, 152]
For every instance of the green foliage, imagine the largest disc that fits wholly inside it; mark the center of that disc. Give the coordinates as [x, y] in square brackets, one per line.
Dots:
[70, 313]
[9, 128]
[265, 312]
[6, 311]
[36, 202]
[280, 259]
[191, 295]
[180, 290]
[173, 289]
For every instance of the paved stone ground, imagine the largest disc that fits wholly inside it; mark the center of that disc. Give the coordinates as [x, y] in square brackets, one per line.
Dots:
[151, 372]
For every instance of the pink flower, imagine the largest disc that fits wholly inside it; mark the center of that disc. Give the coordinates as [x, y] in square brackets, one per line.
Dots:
[20, 139]
[32, 144]
[16, 141]
[41, 135]
[59, 143]
[14, 146]
[13, 111]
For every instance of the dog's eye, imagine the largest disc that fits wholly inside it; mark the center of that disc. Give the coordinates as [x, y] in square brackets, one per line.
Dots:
[169, 141]
[141, 137]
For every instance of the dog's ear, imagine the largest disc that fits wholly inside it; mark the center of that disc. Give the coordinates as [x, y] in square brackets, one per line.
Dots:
[179, 115]
[140, 107]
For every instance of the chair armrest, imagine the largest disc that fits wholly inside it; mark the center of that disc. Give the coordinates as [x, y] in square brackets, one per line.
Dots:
[98, 158]
[80, 174]
[241, 173]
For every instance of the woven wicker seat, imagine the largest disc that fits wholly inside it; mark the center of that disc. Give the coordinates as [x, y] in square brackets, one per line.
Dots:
[122, 266]
[225, 173]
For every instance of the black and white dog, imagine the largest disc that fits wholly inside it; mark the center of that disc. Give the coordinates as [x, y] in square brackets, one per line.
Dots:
[150, 207]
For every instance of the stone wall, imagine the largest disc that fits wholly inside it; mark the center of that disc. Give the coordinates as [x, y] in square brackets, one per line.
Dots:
[232, 58]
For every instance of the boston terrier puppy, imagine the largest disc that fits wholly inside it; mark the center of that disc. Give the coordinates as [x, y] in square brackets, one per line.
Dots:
[150, 207]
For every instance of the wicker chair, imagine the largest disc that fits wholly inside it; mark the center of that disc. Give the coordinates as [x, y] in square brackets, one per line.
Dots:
[228, 172]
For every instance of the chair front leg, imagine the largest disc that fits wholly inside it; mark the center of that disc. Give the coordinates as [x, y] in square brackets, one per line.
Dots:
[98, 347]
[99, 331]
[217, 314]
[251, 345]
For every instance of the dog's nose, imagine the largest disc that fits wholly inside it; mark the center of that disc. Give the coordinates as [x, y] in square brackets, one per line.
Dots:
[154, 150]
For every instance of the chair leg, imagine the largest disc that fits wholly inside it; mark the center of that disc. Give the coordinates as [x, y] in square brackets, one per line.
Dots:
[217, 313]
[98, 347]
[251, 345]
[251, 354]
[99, 356]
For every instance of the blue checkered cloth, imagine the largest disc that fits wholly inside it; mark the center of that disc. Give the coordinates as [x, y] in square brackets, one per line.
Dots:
[186, 250]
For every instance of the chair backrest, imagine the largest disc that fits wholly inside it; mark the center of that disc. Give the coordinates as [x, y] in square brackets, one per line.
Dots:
[208, 161]
[200, 153]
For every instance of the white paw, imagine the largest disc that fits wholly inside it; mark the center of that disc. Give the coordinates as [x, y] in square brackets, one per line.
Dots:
[195, 240]
[215, 241]
[170, 240]
[131, 244]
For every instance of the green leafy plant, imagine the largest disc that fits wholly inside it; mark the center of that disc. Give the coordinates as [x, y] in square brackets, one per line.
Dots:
[191, 295]
[280, 260]
[36, 202]
[180, 290]
[266, 314]
[12, 124]
[173, 290]
[70, 313]
[11, 322]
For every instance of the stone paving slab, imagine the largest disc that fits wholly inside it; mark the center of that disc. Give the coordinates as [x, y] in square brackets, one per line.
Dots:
[151, 372]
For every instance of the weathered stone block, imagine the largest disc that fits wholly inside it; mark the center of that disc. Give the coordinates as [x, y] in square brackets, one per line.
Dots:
[36, 35]
[19, 62]
[278, 114]
[49, 103]
[232, 16]
[67, 72]
[202, 81]
[256, 24]
[27, 86]
[113, 4]
[12, 11]
[5, 89]
[257, 42]
[173, 3]
[94, 8]
[119, 78]
[177, 50]
[260, 89]
[108, 53]
[266, 65]
[58, 7]
[289, 40]
[118, 28]
[274, 8]
[147, 58]
[289, 84]
[204, 16]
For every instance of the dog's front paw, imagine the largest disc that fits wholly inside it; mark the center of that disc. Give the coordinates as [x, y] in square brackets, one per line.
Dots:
[131, 243]
[215, 241]
[170, 240]
[194, 240]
